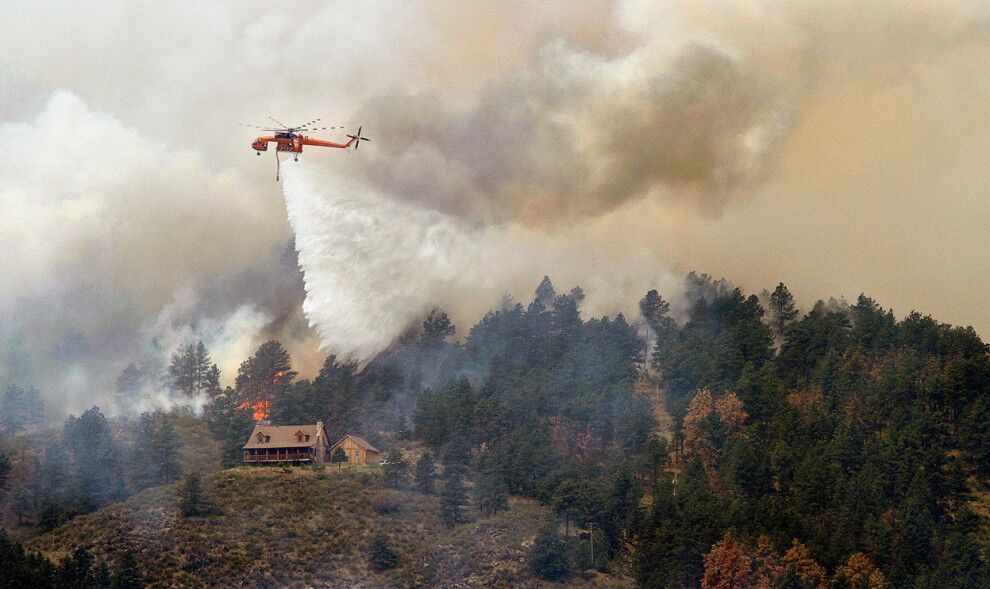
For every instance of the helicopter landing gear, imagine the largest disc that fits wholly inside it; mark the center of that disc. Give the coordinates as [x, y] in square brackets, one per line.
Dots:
[295, 159]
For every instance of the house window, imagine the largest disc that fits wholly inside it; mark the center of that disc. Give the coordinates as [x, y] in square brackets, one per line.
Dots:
[268, 439]
[307, 438]
[261, 438]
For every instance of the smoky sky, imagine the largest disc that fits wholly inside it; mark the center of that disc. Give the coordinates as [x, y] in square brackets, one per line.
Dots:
[577, 135]
[840, 148]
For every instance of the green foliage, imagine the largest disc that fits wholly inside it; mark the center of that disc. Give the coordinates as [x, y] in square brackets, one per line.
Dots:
[845, 429]
[782, 309]
[491, 493]
[266, 376]
[426, 473]
[395, 471]
[192, 501]
[336, 397]
[338, 457]
[577, 501]
[79, 572]
[126, 574]
[22, 569]
[155, 455]
[191, 372]
[436, 328]
[381, 556]
[453, 498]
[96, 457]
[548, 557]
[446, 413]
[230, 425]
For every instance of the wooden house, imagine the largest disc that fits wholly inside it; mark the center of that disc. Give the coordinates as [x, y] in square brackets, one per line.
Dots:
[286, 444]
[358, 450]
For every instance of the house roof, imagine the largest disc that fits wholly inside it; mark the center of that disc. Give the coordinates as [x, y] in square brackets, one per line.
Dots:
[284, 436]
[360, 442]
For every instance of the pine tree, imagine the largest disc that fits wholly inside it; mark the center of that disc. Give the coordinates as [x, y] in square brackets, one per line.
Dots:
[263, 377]
[401, 428]
[782, 309]
[381, 557]
[545, 293]
[76, 570]
[98, 468]
[166, 444]
[548, 557]
[335, 391]
[491, 493]
[126, 574]
[437, 327]
[155, 459]
[191, 372]
[230, 425]
[453, 498]
[395, 470]
[192, 502]
[338, 457]
[654, 310]
[426, 473]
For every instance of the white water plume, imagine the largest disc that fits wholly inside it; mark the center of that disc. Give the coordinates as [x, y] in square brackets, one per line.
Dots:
[372, 266]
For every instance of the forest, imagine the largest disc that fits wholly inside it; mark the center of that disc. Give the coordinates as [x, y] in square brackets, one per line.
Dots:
[736, 442]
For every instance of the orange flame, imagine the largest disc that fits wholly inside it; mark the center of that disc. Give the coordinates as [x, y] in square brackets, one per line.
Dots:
[259, 409]
[278, 376]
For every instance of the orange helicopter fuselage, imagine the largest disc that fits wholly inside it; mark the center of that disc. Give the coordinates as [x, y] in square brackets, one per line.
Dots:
[294, 143]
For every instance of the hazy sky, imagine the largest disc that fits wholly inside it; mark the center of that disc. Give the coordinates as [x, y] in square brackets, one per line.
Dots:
[840, 148]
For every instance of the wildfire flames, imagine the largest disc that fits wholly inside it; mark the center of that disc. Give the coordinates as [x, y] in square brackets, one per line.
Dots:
[259, 409]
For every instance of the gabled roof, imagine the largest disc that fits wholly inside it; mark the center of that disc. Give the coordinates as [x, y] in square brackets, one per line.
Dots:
[284, 436]
[360, 442]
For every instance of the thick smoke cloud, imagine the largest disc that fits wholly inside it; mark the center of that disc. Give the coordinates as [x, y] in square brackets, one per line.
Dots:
[579, 135]
[112, 245]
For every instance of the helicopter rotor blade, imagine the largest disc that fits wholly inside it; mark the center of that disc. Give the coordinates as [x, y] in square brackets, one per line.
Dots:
[280, 123]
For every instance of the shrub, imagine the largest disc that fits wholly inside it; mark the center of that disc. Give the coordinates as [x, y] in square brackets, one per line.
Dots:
[381, 557]
[548, 557]
[386, 504]
[192, 502]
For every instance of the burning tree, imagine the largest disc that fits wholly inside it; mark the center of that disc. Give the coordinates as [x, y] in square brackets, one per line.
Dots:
[262, 378]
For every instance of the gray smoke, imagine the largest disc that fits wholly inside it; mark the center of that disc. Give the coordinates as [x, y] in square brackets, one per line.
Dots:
[578, 135]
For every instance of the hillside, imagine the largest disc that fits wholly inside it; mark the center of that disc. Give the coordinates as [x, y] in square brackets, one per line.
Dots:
[303, 528]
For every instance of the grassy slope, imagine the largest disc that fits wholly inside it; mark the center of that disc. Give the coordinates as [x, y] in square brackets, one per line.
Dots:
[300, 528]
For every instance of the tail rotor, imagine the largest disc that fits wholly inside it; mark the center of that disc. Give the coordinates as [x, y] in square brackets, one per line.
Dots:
[357, 139]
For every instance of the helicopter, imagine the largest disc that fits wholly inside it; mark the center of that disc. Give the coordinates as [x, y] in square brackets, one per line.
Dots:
[292, 139]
